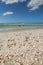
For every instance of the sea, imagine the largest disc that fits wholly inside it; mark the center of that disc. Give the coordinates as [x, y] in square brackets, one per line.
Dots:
[14, 27]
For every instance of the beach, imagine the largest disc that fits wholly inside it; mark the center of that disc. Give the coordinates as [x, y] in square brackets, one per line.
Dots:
[21, 47]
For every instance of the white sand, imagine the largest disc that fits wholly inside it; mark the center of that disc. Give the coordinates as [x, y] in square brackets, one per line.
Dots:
[21, 47]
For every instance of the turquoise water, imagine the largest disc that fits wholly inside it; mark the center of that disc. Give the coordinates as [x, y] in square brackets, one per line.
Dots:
[21, 26]
[16, 27]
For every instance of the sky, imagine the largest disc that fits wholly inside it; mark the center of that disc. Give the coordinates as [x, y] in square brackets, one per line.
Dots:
[21, 11]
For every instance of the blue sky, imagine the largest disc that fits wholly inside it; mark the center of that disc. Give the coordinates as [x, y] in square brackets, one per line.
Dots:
[21, 11]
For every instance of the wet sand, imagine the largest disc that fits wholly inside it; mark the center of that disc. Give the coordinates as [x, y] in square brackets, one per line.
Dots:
[22, 47]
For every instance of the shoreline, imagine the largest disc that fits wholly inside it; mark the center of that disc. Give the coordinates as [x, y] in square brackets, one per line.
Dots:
[18, 29]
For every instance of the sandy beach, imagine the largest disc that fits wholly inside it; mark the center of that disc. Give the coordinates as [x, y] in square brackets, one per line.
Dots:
[22, 47]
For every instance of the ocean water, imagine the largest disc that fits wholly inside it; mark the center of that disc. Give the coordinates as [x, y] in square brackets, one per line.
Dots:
[21, 26]
[16, 27]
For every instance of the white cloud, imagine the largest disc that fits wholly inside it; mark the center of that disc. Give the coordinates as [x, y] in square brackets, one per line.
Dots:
[34, 4]
[7, 13]
[12, 1]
